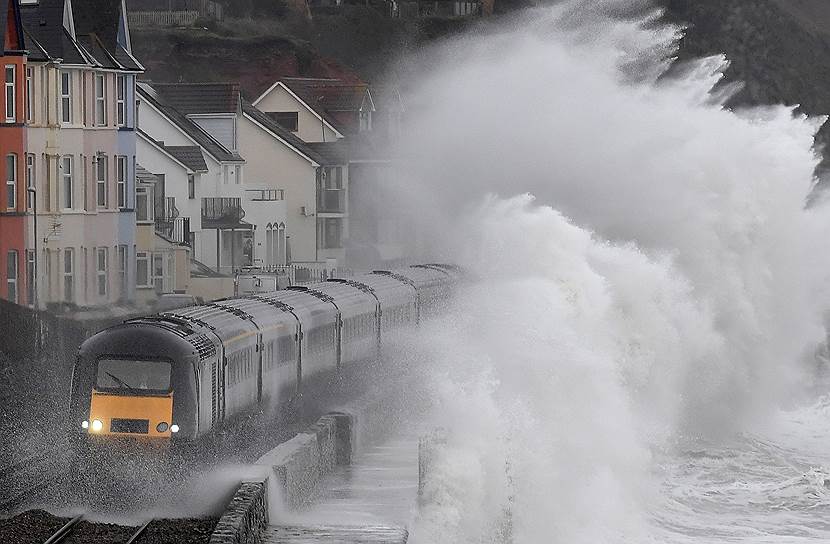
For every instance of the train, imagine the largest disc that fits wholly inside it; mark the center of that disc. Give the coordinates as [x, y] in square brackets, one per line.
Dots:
[180, 375]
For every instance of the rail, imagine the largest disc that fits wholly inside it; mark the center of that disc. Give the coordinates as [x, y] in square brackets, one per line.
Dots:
[64, 531]
[139, 532]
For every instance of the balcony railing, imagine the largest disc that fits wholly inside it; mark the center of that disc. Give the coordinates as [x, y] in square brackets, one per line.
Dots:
[176, 229]
[264, 195]
[331, 200]
[221, 212]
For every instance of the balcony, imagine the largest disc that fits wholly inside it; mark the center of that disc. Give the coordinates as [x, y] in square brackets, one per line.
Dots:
[176, 229]
[222, 213]
[331, 201]
[265, 195]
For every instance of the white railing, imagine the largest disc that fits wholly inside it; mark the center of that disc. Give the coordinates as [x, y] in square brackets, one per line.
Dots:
[162, 18]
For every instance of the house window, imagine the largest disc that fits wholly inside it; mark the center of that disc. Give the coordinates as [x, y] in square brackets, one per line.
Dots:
[365, 121]
[142, 269]
[66, 97]
[122, 270]
[288, 120]
[30, 76]
[143, 204]
[329, 233]
[85, 258]
[84, 101]
[191, 186]
[69, 274]
[11, 276]
[102, 265]
[158, 272]
[30, 179]
[121, 163]
[101, 181]
[11, 116]
[121, 102]
[11, 181]
[66, 175]
[100, 101]
[30, 276]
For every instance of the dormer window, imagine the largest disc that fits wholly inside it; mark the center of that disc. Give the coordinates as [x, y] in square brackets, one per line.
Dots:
[365, 120]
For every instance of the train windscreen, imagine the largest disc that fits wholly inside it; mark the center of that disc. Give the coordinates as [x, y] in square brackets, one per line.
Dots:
[133, 375]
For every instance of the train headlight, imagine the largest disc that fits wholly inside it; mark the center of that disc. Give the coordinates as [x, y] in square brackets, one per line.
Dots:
[162, 427]
[174, 428]
[84, 424]
[97, 425]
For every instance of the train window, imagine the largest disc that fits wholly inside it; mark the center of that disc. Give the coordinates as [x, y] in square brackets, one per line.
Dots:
[134, 376]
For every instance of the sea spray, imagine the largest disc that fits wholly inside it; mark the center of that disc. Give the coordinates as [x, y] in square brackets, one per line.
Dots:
[664, 280]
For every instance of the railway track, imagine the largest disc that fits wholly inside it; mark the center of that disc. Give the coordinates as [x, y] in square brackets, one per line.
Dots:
[69, 527]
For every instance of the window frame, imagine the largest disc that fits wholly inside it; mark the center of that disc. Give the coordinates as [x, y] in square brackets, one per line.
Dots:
[30, 179]
[121, 169]
[101, 167]
[121, 100]
[142, 263]
[100, 100]
[11, 181]
[101, 274]
[69, 274]
[30, 76]
[66, 97]
[148, 208]
[10, 88]
[67, 182]
[12, 280]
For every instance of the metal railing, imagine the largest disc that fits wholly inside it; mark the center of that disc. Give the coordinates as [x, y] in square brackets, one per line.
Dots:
[222, 209]
[174, 228]
[265, 194]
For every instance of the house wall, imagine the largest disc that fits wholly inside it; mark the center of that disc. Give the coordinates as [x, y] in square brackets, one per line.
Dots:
[12, 220]
[275, 165]
[310, 129]
[84, 226]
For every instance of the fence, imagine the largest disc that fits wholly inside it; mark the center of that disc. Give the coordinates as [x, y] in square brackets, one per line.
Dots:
[162, 18]
[171, 12]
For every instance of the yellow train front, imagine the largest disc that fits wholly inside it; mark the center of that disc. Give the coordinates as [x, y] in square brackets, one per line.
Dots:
[137, 381]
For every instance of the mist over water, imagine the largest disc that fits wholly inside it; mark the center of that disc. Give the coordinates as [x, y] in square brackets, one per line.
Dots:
[637, 361]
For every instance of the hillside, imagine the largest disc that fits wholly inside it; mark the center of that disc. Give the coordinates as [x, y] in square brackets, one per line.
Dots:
[356, 41]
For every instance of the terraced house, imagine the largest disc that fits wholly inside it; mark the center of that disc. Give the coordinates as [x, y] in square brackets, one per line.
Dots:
[13, 203]
[80, 160]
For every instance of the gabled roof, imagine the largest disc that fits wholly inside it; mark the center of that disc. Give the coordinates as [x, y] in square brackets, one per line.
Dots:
[189, 155]
[96, 43]
[44, 23]
[194, 131]
[357, 148]
[387, 98]
[280, 132]
[196, 98]
[16, 39]
[331, 94]
[97, 25]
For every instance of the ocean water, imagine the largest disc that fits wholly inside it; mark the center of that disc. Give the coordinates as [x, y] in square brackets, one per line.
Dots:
[636, 360]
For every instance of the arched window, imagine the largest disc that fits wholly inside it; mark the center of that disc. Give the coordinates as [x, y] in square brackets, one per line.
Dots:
[281, 256]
